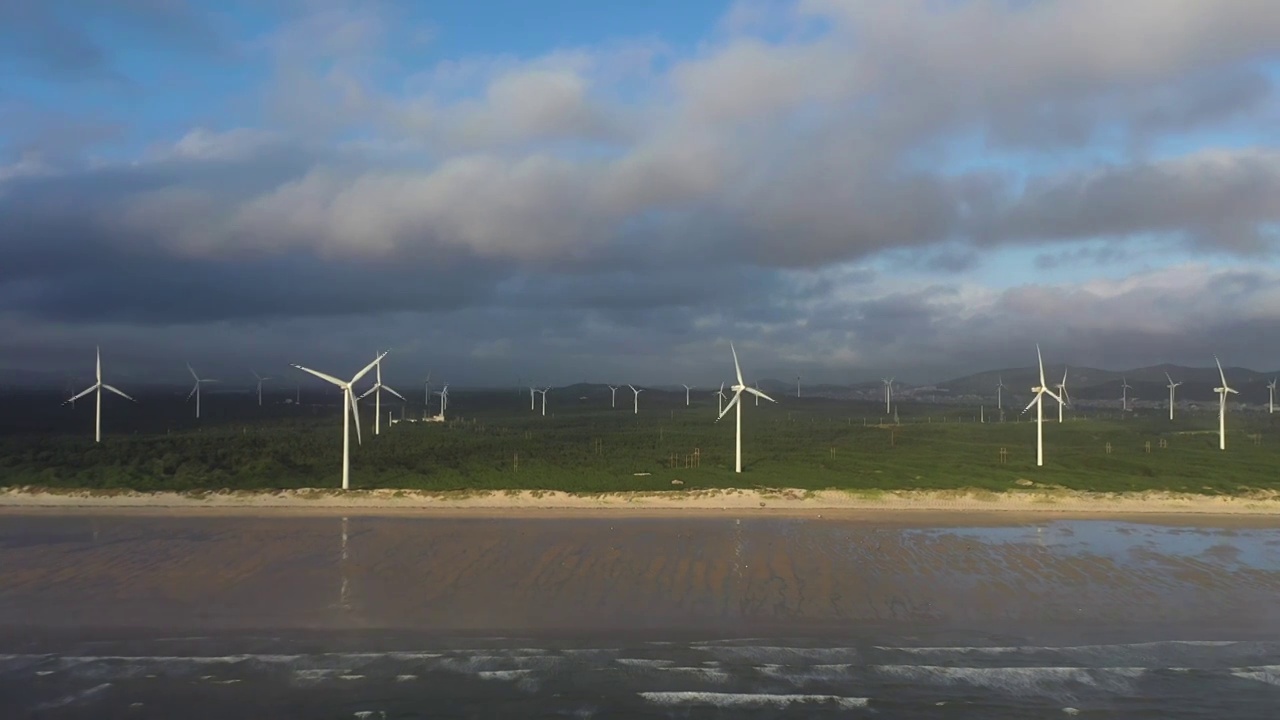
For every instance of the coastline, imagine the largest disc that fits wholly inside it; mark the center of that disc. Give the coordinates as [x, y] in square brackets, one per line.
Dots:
[690, 502]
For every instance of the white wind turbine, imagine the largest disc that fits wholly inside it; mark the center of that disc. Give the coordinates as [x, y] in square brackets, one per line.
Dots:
[1172, 386]
[377, 389]
[97, 387]
[1063, 395]
[1222, 405]
[736, 401]
[543, 391]
[637, 392]
[888, 393]
[444, 398]
[1000, 386]
[797, 386]
[1271, 396]
[720, 400]
[260, 380]
[1040, 390]
[613, 400]
[426, 391]
[349, 403]
[532, 407]
[1125, 387]
[686, 394]
[196, 390]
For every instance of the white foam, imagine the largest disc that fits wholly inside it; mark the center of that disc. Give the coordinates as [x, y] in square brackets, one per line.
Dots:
[406, 678]
[1269, 674]
[1019, 680]
[996, 650]
[503, 674]
[643, 662]
[800, 674]
[712, 675]
[74, 698]
[750, 700]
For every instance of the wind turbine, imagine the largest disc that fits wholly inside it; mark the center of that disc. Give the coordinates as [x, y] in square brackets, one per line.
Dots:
[349, 403]
[1125, 387]
[260, 380]
[196, 389]
[1271, 396]
[1173, 385]
[544, 400]
[426, 391]
[686, 394]
[377, 389]
[1000, 386]
[797, 386]
[444, 398]
[637, 391]
[720, 400]
[97, 388]
[736, 401]
[1222, 405]
[1063, 394]
[1040, 390]
[888, 393]
[532, 390]
[613, 400]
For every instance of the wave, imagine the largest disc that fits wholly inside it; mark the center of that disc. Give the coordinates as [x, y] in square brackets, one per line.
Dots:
[750, 700]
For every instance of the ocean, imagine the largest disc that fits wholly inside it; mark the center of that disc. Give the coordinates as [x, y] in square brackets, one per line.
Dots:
[633, 616]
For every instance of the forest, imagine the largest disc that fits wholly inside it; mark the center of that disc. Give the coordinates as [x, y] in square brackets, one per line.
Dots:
[492, 441]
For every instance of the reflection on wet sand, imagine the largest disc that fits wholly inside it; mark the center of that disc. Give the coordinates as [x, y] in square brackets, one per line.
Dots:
[709, 575]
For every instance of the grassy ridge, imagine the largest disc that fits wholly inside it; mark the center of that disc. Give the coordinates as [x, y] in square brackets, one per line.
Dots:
[586, 447]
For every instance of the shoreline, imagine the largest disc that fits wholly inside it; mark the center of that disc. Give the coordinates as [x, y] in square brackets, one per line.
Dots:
[692, 502]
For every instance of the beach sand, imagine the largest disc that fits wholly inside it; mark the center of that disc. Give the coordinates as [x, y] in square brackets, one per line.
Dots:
[693, 502]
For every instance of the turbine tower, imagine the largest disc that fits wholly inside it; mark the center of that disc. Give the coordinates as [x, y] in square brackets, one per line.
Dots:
[686, 395]
[377, 389]
[532, 407]
[260, 380]
[797, 386]
[1222, 405]
[736, 402]
[888, 394]
[1125, 387]
[97, 387]
[196, 390]
[1000, 386]
[426, 391]
[1271, 396]
[1062, 393]
[444, 398]
[543, 391]
[1172, 385]
[1040, 390]
[349, 403]
[613, 396]
[637, 391]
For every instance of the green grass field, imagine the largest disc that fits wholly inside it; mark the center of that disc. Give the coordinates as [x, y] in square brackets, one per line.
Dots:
[496, 443]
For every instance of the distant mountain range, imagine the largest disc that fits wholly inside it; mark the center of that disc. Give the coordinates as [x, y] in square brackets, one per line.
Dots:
[1083, 383]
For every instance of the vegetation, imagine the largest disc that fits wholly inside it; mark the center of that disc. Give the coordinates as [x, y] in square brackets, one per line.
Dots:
[584, 446]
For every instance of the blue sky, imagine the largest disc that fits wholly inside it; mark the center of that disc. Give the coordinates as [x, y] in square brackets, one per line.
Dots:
[843, 186]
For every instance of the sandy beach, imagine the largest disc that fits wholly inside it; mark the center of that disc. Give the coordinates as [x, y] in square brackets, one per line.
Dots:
[1055, 502]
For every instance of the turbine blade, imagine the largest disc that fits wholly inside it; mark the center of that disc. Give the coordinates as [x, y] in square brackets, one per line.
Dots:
[322, 376]
[367, 368]
[1032, 403]
[193, 390]
[193, 372]
[393, 392]
[73, 398]
[355, 414]
[367, 393]
[757, 393]
[1169, 378]
[736, 367]
[1220, 373]
[1052, 394]
[1233, 391]
[1040, 360]
[730, 405]
[116, 391]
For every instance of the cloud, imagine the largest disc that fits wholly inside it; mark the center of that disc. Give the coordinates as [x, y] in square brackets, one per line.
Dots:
[625, 198]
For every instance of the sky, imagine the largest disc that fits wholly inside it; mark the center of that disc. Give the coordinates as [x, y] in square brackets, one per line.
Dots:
[570, 190]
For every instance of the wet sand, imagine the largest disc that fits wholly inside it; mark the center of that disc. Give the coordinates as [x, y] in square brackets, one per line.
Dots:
[727, 576]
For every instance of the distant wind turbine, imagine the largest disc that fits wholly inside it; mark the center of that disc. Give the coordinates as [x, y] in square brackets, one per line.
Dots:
[736, 402]
[196, 389]
[797, 386]
[376, 390]
[544, 400]
[1172, 387]
[349, 403]
[1271, 396]
[888, 393]
[613, 396]
[720, 400]
[686, 394]
[1040, 390]
[637, 392]
[532, 407]
[1222, 405]
[444, 398]
[260, 380]
[1125, 387]
[1063, 396]
[1000, 386]
[97, 388]
[426, 391]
